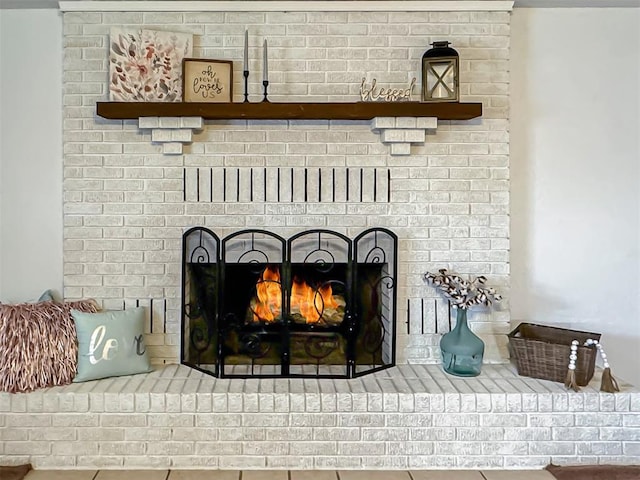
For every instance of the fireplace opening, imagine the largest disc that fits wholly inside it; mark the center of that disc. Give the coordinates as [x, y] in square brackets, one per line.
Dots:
[315, 297]
[316, 305]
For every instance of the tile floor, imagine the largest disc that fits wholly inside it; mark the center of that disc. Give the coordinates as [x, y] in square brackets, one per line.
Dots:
[291, 475]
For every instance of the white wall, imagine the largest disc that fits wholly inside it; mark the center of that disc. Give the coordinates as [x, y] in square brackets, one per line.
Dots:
[2, 44]
[30, 153]
[574, 161]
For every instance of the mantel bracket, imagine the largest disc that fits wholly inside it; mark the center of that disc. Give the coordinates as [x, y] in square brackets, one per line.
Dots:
[171, 132]
[400, 132]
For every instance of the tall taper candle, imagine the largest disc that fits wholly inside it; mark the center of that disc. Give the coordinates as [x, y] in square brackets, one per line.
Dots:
[246, 50]
[265, 69]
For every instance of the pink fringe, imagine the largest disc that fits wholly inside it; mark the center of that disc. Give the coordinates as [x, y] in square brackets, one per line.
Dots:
[38, 344]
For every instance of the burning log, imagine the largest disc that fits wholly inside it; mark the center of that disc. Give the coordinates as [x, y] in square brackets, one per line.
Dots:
[309, 305]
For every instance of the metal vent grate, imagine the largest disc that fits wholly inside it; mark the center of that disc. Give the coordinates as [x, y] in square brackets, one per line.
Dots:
[286, 185]
[428, 315]
[156, 321]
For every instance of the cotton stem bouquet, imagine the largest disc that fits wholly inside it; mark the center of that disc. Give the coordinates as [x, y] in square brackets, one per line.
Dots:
[463, 293]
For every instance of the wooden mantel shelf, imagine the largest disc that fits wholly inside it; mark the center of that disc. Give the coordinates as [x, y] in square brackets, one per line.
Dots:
[400, 124]
[289, 111]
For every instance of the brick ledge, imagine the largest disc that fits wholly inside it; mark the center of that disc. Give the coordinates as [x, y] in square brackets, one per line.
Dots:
[411, 416]
[498, 389]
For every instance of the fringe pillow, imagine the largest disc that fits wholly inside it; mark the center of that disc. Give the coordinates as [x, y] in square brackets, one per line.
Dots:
[38, 346]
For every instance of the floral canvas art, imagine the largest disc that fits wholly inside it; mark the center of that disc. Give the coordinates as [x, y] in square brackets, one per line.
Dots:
[146, 65]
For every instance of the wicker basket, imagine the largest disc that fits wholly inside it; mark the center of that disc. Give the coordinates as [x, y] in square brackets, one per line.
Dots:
[543, 352]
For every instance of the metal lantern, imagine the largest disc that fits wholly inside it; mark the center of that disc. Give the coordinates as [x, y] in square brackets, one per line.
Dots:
[440, 74]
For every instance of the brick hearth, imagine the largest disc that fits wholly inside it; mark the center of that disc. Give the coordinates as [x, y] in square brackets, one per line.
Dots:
[406, 417]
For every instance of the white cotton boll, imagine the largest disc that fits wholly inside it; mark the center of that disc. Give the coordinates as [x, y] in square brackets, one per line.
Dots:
[572, 367]
[573, 357]
[575, 342]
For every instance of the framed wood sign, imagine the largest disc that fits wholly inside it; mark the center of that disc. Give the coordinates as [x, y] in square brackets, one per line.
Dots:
[209, 81]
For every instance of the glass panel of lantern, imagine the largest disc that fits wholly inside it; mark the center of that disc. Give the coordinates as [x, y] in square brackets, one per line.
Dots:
[440, 74]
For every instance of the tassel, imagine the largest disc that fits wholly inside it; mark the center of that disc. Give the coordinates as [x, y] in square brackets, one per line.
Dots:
[609, 384]
[570, 380]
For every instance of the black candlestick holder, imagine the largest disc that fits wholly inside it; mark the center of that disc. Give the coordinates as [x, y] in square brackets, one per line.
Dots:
[245, 74]
[265, 84]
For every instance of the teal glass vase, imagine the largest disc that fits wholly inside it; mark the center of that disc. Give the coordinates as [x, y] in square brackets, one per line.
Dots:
[461, 349]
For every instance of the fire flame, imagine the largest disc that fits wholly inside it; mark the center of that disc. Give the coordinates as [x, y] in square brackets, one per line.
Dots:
[310, 302]
[269, 304]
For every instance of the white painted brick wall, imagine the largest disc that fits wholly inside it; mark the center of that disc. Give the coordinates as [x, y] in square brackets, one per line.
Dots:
[124, 201]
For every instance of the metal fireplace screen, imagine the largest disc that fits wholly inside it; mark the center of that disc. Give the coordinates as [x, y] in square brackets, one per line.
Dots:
[316, 305]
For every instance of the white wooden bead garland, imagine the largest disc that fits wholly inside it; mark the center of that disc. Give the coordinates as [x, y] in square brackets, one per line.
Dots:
[609, 384]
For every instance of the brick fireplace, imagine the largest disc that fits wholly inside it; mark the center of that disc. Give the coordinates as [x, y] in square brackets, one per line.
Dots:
[128, 200]
[133, 188]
